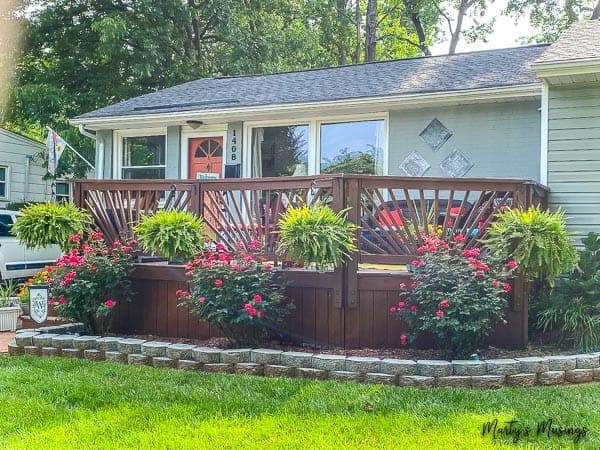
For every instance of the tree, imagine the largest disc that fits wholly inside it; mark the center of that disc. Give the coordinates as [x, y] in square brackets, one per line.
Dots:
[552, 17]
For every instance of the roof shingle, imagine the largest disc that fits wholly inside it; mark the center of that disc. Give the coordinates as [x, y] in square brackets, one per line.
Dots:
[463, 71]
[580, 41]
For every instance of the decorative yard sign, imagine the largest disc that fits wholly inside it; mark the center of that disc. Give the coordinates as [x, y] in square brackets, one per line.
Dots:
[38, 302]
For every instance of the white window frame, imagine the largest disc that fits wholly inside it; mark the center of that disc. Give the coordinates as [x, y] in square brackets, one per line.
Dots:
[6, 183]
[62, 181]
[189, 133]
[314, 137]
[118, 145]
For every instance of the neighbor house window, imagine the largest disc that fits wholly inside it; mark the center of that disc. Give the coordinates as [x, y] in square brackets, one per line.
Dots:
[352, 147]
[3, 182]
[143, 157]
[280, 151]
[62, 191]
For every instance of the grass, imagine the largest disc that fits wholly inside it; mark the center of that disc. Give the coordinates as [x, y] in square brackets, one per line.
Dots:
[74, 404]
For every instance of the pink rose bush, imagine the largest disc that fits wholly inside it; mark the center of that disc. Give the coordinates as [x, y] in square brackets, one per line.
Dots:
[90, 280]
[456, 296]
[235, 290]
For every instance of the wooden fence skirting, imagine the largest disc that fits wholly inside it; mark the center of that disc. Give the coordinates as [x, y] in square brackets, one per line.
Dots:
[347, 307]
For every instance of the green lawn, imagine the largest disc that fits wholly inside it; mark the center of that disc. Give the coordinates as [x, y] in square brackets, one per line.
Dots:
[64, 404]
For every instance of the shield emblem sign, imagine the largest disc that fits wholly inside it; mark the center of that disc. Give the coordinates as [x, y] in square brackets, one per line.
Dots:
[38, 302]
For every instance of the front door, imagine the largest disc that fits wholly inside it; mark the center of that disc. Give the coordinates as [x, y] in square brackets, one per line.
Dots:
[205, 157]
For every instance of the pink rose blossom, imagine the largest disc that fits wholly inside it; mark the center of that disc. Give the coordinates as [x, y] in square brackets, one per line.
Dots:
[439, 313]
[401, 304]
[444, 303]
[403, 339]
[257, 298]
[392, 309]
[507, 288]
[218, 282]
[512, 264]
[109, 303]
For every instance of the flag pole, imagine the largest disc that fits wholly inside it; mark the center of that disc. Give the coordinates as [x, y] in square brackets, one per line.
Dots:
[76, 152]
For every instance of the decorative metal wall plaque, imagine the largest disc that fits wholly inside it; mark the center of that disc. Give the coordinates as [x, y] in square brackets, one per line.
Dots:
[435, 134]
[38, 302]
[414, 165]
[456, 164]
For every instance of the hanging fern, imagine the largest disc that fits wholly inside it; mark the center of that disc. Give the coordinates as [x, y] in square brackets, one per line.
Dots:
[317, 235]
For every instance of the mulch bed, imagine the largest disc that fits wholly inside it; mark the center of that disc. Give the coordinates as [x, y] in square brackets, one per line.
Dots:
[399, 353]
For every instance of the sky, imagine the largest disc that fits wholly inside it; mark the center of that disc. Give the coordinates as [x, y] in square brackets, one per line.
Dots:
[506, 33]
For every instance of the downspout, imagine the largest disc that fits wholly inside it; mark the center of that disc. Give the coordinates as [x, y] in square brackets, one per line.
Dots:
[100, 159]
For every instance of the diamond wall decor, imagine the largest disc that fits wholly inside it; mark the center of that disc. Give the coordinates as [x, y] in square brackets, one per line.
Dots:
[456, 164]
[414, 165]
[435, 134]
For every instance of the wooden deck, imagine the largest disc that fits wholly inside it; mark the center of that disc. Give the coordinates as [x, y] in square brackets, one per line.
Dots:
[347, 307]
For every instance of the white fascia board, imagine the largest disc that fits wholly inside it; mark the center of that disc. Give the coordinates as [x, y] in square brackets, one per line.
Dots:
[367, 103]
[561, 68]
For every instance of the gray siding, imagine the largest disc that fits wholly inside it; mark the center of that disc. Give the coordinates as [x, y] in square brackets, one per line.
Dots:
[502, 140]
[574, 155]
[14, 151]
[173, 152]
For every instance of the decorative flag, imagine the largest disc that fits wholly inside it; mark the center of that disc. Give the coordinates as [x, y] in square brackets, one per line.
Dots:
[56, 146]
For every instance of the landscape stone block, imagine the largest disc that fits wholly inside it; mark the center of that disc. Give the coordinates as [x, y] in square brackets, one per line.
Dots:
[266, 356]
[138, 359]
[596, 373]
[130, 345]
[416, 381]
[116, 357]
[588, 361]
[71, 353]
[466, 367]
[398, 366]
[26, 338]
[579, 375]
[551, 377]
[363, 364]
[463, 381]
[235, 355]
[324, 361]
[33, 350]
[50, 351]
[91, 354]
[345, 375]
[14, 349]
[507, 366]
[487, 381]
[162, 362]
[180, 351]
[63, 341]
[44, 339]
[249, 368]
[272, 370]
[561, 362]
[312, 374]
[521, 380]
[206, 355]
[533, 364]
[108, 344]
[381, 378]
[154, 348]
[85, 342]
[296, 359]
[218, 368]
[434, 368]
[187, 364]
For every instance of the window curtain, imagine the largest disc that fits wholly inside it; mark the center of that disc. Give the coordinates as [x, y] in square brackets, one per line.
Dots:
[258, 136]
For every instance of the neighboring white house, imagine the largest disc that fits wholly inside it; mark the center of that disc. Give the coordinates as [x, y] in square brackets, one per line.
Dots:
[22, 172]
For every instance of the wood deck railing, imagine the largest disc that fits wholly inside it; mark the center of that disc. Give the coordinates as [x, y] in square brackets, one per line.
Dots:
[392, 213]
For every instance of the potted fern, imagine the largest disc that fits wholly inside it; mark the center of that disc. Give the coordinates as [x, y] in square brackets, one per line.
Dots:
[316, 235]
[176, 235]
[9, 306]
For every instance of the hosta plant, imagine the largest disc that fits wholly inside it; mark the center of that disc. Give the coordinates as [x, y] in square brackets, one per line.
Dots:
[172, 234]
[315, 234]
[90, 280]
[538, 240]
[235, 291]
[48, 223]
[456, 296]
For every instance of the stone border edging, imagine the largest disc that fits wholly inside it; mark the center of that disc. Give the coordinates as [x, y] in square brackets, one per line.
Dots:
[491, 373]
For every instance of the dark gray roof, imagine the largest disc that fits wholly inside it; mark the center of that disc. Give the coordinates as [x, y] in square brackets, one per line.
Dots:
[580, 41]
[474, 70]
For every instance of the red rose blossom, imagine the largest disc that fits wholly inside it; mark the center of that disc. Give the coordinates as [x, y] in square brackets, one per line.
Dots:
[439, 313]
[496, 283]
[257, 298]
[392, 309]
[401, 304]
[403, 339]
[218, 282]
[109, 303]
[507, 288]
[444, 303]
[512, 264]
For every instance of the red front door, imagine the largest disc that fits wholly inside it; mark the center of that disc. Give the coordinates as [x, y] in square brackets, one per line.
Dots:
[205, 157]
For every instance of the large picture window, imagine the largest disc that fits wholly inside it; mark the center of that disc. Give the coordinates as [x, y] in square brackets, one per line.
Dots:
[279, 151]
[143, 157]
[3, 182]
[352, 147]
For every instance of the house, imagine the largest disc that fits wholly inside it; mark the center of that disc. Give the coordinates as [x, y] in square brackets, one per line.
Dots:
[21, 171]
[529, 112]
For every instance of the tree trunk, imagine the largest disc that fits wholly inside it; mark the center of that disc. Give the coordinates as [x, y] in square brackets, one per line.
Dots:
[358, 17]
[416, 20]
[371, 31]
[341, 35]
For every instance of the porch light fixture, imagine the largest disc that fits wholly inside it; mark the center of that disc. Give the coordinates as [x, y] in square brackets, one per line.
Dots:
[194, 123]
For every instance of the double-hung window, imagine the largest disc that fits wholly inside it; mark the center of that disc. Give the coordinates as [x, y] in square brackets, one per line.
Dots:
[3, 182]
[143, 157]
